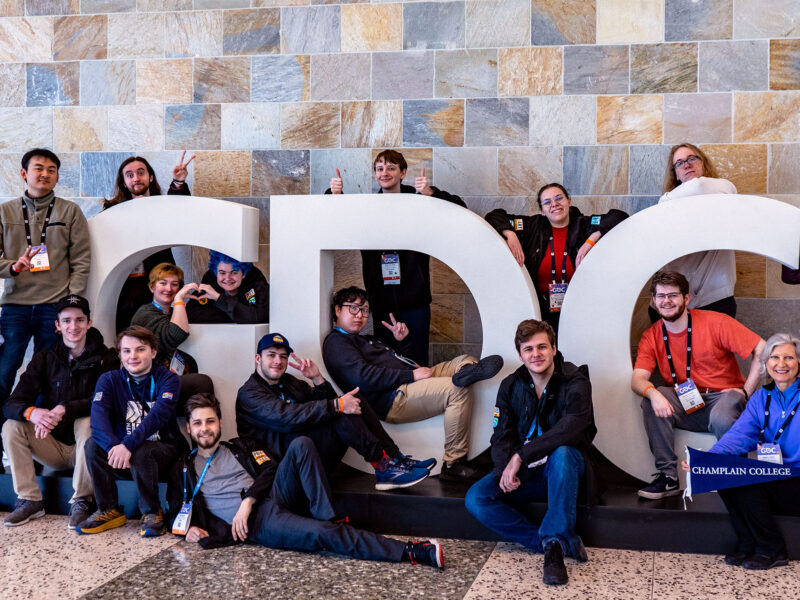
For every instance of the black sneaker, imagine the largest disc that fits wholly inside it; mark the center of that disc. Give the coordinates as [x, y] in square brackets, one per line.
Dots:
[762, 562]
[554, 573]
[80, 510]
[152, 524]
[485, 368]
[661, 487]
[102, 520]
[425, 553]
[24, 511]
[737, 558]
[460, 470]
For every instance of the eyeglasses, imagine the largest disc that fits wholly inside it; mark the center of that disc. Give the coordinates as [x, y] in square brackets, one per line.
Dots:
[548, 202]
[691, 159]
[355, 309]
[671, 296]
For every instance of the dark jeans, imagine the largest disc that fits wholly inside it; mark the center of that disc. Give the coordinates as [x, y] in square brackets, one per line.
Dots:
[301, 488]
[557, 482]
[751, 509]
[150, 463]
[418, 321]
[18, 323]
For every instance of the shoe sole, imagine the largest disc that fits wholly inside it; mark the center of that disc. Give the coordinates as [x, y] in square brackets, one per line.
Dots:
[778, 563]
[36, 515]
[151, 533]
[554, 580]
[382, 487]
[439, 554]
[479, 372]
[658, 495]
[112, 524]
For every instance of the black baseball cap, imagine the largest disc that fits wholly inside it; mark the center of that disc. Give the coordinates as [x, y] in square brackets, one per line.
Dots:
[273, 339]
[73, 301]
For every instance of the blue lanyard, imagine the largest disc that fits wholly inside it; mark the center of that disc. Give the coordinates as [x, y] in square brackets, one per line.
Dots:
[152, 389]
[158, 306]
[535, 427]
[202, 475]
[339, 329]
[766, 419]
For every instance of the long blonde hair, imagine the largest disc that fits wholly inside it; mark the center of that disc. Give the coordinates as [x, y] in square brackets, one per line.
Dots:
[671, 180]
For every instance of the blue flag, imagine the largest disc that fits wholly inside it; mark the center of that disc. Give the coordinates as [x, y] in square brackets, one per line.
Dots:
[709, 471]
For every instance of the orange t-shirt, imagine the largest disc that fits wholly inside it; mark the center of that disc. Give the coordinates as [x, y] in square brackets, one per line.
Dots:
[715, 339]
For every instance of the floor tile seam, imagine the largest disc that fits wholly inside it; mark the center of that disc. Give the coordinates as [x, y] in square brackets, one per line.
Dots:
[478, 573]
[653, 577]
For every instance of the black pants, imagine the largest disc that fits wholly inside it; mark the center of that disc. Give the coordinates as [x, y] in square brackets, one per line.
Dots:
[364, 433]
[418, 321]
[301, 488]
[150, 463]
[751, 509]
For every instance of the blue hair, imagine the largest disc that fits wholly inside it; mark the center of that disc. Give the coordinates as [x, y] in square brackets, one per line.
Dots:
[214, 258]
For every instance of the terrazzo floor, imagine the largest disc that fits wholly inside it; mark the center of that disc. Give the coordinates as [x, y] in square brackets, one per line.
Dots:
[43, 560]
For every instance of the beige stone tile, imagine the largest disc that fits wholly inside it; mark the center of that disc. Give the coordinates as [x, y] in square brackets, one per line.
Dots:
[751, 272]
[433, 122]
[498, 23]
[775, 287]
[310, 125]
[11, 183]
[755, 19]
[163, 5]
[225, 173]
[12, 84]
[80, 38]
[522, 171]
[744, 165]
[265, 3]
[347, 269]
[659, 68]
[766, 116]
[12, 8]
[629, 119]
[372, 124]
[630, 21]
[222, 79]
[702, 118]
[447, 318]
[280, 172]
[563, 21]
[444, 280]
[784, 176]
[139, 128]
[784, 70]
[148, 29]
[563, 120]
[24, 128]
[251, 31]
[80, 128]
[26, 40]
[529, 71]
[372, 27]
[196, 33]
[164, 81]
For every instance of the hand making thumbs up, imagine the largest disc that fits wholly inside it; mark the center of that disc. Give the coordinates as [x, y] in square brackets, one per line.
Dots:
[336, 183]
[421, 183]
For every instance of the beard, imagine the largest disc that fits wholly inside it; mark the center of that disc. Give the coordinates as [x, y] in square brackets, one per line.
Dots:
[208, 443]
[677, 315]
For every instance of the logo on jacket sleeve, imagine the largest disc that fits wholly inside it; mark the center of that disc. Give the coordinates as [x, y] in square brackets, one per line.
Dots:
[517, 224]
[260, 456]
[97, 397]
[250, 297]
[167, 395]
[496, 418]
[596, 219]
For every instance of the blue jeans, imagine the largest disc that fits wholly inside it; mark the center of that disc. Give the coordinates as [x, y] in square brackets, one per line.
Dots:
[557, 482]
[17, 324]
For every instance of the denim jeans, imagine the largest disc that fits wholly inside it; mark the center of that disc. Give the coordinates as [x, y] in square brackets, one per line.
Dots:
[557, 482]
[17, 324]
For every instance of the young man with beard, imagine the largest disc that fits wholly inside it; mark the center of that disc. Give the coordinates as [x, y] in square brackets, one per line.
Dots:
[48, 412]
[695, 352]
[276, 408]
[134, 433]
[235, 491]
[543, 431]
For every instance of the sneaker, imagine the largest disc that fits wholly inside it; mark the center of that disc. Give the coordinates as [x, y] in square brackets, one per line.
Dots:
[554, 573]
[661, 487]
[425, 553]
[737, 558]
[24, 511]
[762, 562]
[102, 520]
[460, 470]
[152, 524]
[392, 474]
[80, 510]
[485, 368]
[409, 462]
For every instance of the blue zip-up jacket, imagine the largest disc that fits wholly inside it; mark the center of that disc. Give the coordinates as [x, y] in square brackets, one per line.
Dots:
[743, 436]
[110, 409]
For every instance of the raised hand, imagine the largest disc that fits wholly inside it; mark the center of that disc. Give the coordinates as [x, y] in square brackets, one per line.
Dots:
[399, 330]
[336, 183]
[306, 366]
[180, 171]
[24, 262]
[421, 184]
[351, 405]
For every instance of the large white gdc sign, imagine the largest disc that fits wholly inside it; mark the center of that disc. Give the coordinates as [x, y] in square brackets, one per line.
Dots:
[305, 230]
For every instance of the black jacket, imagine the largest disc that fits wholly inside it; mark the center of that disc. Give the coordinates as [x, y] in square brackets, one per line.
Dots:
[267, 413]
[565, 416]
[414, 290]
[366, 362]
[51, 379]
[249, 305]
[246, 452]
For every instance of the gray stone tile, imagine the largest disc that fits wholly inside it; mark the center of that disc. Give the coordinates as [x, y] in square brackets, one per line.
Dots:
[734, 65]
[163, 162]
[402, 75]
[433, 122]
[276, 172]
[601, 170]
[473, 329]
[279, 78]
[192, 126]
[562, 120]
[53, 84]
[561, 22]
[251, 126]
[12, 84]
[596, 69]
[647, 166]
[262, 204]
[496, 122]
[466, 73]
[208, 4]
[498, 23]
[518, 205]
[660, 68]
[107, 6]
[69, 175]
[433, 25]
[340, 76]
[466, 171]
[698, 20]
[50, 7]
[22, 128]
[108, 82]
[755, 19]
[255, 31]
[354, 165]
[98, 172]
[702, 118]
[310, 29]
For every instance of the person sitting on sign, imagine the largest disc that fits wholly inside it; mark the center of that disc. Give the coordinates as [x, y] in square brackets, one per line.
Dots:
[166, 317]
[553, 244]
[695, 352]
[230, 292]
[766, 430]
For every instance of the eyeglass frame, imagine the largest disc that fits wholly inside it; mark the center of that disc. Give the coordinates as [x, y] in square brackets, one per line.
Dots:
[691, 159]
[354, 309]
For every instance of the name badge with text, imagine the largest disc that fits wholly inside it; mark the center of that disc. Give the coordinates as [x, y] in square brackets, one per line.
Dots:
[184, 519]
[690, 398]
[557, 293]
[770, 453]
[390, 268]
[40, 261]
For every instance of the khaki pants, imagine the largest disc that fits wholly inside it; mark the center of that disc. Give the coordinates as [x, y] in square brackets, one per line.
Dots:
[427, 398]
[23, 447]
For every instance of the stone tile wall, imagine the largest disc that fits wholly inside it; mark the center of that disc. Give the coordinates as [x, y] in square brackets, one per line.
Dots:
[492, 97]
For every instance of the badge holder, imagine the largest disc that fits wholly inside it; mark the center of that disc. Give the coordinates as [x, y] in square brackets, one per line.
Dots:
[181, 523]
[177, 364]
[40, 261]
[557, 293]
[390, 268]
[770, 453]
[690, 398]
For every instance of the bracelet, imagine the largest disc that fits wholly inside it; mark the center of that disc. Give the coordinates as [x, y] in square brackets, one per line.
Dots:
[590, 242]
[339, 405]
[178, 183]
[179, 303]
[28, 412]
[644, 391]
